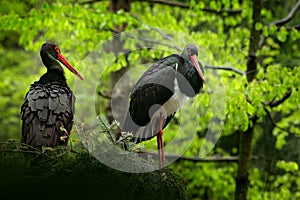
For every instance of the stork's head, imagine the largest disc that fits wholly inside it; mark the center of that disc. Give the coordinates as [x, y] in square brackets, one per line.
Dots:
[190, 52]
[50, 54]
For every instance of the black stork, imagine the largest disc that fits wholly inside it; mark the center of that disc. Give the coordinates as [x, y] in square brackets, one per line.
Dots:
[160, 93]
[48, 110]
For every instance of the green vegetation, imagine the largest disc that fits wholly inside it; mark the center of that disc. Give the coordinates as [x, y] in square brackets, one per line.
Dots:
[65, 173]
[260, 84]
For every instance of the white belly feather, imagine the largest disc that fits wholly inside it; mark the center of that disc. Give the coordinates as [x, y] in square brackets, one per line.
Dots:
[177, 100]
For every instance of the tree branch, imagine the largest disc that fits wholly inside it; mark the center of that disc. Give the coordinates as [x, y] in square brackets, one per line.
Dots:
[223, 10]
[282, 21]
[275, 103]
[184, 5]
[89, 2]
[288, 18]
[179, 158]
[297, 27]
[274, 123]
[178, 4]
[106, 96]
[205, 160]
[164, 2]
[226, 68]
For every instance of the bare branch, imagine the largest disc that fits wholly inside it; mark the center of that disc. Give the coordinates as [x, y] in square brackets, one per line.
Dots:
[288, 18]
[226, 68]
[281, 22]
[194, 159]
[179, 158]
[206, 160]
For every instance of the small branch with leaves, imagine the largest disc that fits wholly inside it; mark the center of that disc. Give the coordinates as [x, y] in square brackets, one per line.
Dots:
[186, 6]
[179, 5]
[275, 103]
[273, 122]
[125, 138]
[282, 22]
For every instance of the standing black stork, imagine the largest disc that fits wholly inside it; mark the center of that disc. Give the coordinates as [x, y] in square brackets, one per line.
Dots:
[48, 110]
[160, 93]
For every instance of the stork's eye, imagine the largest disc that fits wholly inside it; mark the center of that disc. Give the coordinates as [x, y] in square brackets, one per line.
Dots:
[57, 49]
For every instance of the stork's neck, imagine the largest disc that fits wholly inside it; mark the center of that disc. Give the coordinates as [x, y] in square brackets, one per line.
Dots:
[54, 71]
[53, 75]
[189, 83]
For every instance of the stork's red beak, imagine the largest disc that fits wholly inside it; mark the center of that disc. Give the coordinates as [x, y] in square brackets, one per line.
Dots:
[67, 64]
[197, 66]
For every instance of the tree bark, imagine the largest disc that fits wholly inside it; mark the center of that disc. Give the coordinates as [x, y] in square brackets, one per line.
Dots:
[244, 161]
[115, 5]
[245, 145]
[117, 48]
[254, 40]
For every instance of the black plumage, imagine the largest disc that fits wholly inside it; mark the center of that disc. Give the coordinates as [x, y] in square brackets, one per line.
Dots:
[170, 78]
[48, 110]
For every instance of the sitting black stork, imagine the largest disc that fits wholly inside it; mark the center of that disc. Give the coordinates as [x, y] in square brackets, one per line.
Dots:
[160, 93]
[48, 110]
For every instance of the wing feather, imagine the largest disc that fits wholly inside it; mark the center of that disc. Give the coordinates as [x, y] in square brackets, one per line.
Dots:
[152, 90]
[47, 108]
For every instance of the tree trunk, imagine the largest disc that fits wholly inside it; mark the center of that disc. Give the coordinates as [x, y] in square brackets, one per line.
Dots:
[245, 151]
[115, 5]
[117, 48]
[245, 145]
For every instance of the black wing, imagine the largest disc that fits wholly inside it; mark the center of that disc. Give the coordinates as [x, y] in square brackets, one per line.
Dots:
[47, 109]
[152, 90]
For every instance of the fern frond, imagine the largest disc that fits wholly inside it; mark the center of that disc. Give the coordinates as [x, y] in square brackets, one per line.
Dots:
[107, 128]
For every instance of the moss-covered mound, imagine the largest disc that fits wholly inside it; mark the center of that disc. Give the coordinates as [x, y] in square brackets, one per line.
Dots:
[66, 174]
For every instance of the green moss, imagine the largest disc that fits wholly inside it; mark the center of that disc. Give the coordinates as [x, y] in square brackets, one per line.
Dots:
[65, 174]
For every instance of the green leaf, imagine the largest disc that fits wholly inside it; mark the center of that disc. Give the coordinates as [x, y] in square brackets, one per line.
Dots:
[260, 74]
[192, 3]
[295, 34]
[245, 122]
[282, 34]
[273, 29]
[290, 166]
[258, 26]
[250, 109]
[213, 5]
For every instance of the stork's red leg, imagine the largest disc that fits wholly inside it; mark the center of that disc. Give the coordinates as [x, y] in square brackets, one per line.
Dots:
[160, 144]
